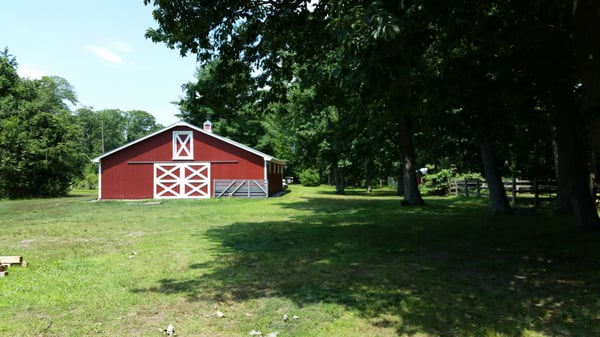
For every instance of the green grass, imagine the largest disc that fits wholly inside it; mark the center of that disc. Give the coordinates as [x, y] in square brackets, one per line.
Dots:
[354, 265]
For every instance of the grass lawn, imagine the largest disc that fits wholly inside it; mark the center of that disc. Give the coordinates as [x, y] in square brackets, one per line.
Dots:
[354, 265]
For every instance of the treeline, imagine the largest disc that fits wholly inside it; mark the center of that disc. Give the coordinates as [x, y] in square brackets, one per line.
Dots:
[46, 147]
[361, 89]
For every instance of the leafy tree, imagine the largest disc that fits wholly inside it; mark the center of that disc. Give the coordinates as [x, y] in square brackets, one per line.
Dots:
[39, 141]
[139, 124]
[108, 129]
[225, 92]
[9, 79]
[91, 140]
[113, 128]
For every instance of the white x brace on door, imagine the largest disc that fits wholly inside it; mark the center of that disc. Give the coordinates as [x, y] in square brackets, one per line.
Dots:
[181, 180]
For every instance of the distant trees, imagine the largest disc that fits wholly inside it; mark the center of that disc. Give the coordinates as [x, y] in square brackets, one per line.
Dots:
[108, 129]
[45, 148]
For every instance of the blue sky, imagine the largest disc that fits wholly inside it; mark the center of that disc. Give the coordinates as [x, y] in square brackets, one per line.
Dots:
[100, 49]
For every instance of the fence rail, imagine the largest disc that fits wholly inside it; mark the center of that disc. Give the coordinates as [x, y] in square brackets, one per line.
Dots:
[476, 187]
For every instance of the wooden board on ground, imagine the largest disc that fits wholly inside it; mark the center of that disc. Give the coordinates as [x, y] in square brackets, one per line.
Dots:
[9, 260]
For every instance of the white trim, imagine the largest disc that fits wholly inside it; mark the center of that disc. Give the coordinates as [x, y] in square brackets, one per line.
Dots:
[195, 128]
[183, 145]
[266, 170]
[100, 181]
[181, 180]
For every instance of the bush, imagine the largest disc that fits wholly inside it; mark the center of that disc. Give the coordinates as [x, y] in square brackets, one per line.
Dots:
[310, 177]
[437, 183]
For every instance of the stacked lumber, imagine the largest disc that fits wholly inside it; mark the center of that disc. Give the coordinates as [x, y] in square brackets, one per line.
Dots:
[7, 261]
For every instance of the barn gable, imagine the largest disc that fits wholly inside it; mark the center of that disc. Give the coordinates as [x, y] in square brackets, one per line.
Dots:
[184, 161]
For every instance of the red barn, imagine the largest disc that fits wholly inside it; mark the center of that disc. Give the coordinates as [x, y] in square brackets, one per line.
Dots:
[184, 161]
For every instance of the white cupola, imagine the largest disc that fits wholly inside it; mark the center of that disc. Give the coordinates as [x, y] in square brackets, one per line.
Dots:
[208, 126]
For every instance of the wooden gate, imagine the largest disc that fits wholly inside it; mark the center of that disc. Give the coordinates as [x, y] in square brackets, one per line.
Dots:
[241, 188]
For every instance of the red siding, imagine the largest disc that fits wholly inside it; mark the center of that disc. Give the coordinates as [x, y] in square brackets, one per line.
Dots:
[227, 161]
[128, 173]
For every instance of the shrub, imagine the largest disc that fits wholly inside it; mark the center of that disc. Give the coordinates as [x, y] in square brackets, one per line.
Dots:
[436, 183]
[310, 177]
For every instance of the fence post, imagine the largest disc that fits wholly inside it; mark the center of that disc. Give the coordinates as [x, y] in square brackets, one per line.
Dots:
[478, 188]
[514, 190]
[536, 192]
[466, 187]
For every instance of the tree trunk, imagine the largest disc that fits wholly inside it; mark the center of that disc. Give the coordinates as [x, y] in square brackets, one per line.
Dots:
[339, 181]
[562, 204]
[586, 15]
[498, 197]
[399, 185]
[368, 175]
[573, 174]
[412, 195]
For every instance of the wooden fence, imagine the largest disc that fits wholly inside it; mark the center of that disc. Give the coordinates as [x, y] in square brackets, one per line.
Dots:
[476, 187]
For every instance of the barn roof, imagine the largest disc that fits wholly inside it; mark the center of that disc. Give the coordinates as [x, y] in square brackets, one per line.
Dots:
[265, 156]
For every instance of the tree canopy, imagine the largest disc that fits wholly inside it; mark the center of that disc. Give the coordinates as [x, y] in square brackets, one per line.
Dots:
[500, 81]
[39, 153]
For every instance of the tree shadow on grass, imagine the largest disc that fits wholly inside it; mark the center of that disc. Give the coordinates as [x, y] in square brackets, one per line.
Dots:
[447, 269]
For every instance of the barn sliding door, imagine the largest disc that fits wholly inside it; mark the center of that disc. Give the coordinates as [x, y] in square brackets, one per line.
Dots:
[181, 180]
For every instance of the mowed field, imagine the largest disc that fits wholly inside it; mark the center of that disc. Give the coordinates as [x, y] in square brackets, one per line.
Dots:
[309, 263]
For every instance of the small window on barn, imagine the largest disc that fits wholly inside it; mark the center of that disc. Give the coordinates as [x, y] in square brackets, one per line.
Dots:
[183, 145]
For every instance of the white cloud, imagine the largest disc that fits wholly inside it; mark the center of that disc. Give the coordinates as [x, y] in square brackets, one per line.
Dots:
[105, 54]
[31, 72]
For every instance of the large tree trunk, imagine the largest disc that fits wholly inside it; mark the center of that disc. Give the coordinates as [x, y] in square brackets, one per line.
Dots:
[572, 172]
[498, 197]
[400, 185]
[587, 49]
[562, 204]
[340, 186]
[368, 175]
[412, 195]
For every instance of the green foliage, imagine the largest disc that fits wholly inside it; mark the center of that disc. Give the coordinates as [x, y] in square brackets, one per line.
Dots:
[436, 183]
[89, 181]
[310, 177]
[39, 140]
[225, 92]
[138, 124]
[40, 156]
[497, 73]
[8, 78]
[108, 129]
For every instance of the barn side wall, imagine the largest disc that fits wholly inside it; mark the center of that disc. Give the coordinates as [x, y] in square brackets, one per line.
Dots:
[275, 177]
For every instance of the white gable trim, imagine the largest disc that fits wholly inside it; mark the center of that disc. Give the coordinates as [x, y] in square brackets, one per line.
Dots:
[265, 156]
